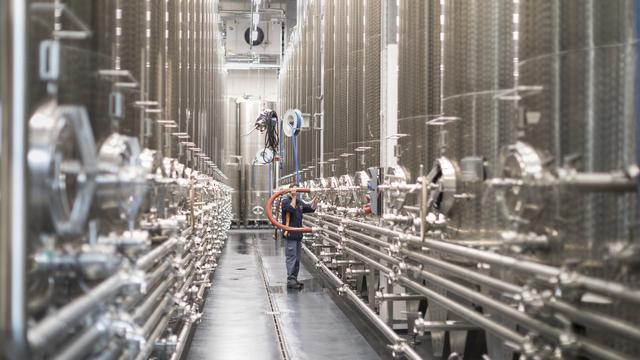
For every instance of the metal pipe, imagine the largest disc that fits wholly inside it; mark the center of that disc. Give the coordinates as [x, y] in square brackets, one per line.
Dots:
[467, 313]
[200, 294]
[376, 253]
[618, 326]
[363, 247]
[182, 340]
[44, 333]
[589, 317]
[160, 251]
[158, 273]
[488, 302]
[359, 256]
[13, 178]
[464, 273]
[600, 286]
[152, 300]
[380, 296]
[153, 337]
[367, 238]
[156, 315]
[605, 181]
[522, 318]
[450, 325]
[407, 350]
[81, 347]
[111, 352]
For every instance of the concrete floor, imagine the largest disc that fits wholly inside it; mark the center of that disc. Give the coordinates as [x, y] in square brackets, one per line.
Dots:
[249, 305]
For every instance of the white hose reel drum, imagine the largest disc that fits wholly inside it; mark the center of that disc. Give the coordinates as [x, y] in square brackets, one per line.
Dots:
[292, 122]
[264, 156]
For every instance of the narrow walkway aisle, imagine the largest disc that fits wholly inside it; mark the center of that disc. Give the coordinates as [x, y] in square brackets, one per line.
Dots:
[249, 303]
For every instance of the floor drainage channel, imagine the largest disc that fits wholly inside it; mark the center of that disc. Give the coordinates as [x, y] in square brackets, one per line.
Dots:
[273, 306]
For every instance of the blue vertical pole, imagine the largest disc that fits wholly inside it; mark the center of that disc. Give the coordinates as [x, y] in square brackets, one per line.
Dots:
[295, 155]
[281, 164]
[270, 181]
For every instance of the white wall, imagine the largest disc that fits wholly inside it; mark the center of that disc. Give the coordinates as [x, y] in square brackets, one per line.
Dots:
[257, 82]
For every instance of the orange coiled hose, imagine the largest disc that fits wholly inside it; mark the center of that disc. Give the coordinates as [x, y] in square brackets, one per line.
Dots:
[274, 221]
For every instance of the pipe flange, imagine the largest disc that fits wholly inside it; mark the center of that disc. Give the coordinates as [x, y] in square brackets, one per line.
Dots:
[395, 176]
[397, 349]
[152, 162]
[124, 175]
[522, 164]
[443, 185]
[323, 186]
[361, 190]
[257, 210]
[346, 195]
[62, 162]
[332, 195]
[342, 290]
[311, 184]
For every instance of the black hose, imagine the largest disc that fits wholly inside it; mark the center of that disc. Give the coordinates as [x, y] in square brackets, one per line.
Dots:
[271, 138]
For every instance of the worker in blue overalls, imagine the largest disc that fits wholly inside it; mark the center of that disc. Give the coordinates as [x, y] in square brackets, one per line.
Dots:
[292, 209]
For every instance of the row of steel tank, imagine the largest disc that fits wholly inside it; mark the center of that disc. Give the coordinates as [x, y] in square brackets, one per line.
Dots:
[331, 73]
[519, 116]
[123, 206]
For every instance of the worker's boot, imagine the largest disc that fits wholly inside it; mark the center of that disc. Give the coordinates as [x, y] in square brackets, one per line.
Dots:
[293, 284]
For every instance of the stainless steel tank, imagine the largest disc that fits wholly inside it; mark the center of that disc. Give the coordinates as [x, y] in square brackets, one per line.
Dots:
[255, 180]
[460, 134]
[369, 124]
[580, 56]
[108, 83]
[530, 111]
[355, 84]
[340, 87]
[329, 84]
[414, 88]
[231, 157]
[476, 122]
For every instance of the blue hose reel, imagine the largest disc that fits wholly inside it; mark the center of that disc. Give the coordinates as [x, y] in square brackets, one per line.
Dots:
[292, 122]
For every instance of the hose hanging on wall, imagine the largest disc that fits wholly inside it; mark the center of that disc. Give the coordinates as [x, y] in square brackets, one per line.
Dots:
[267, 123]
